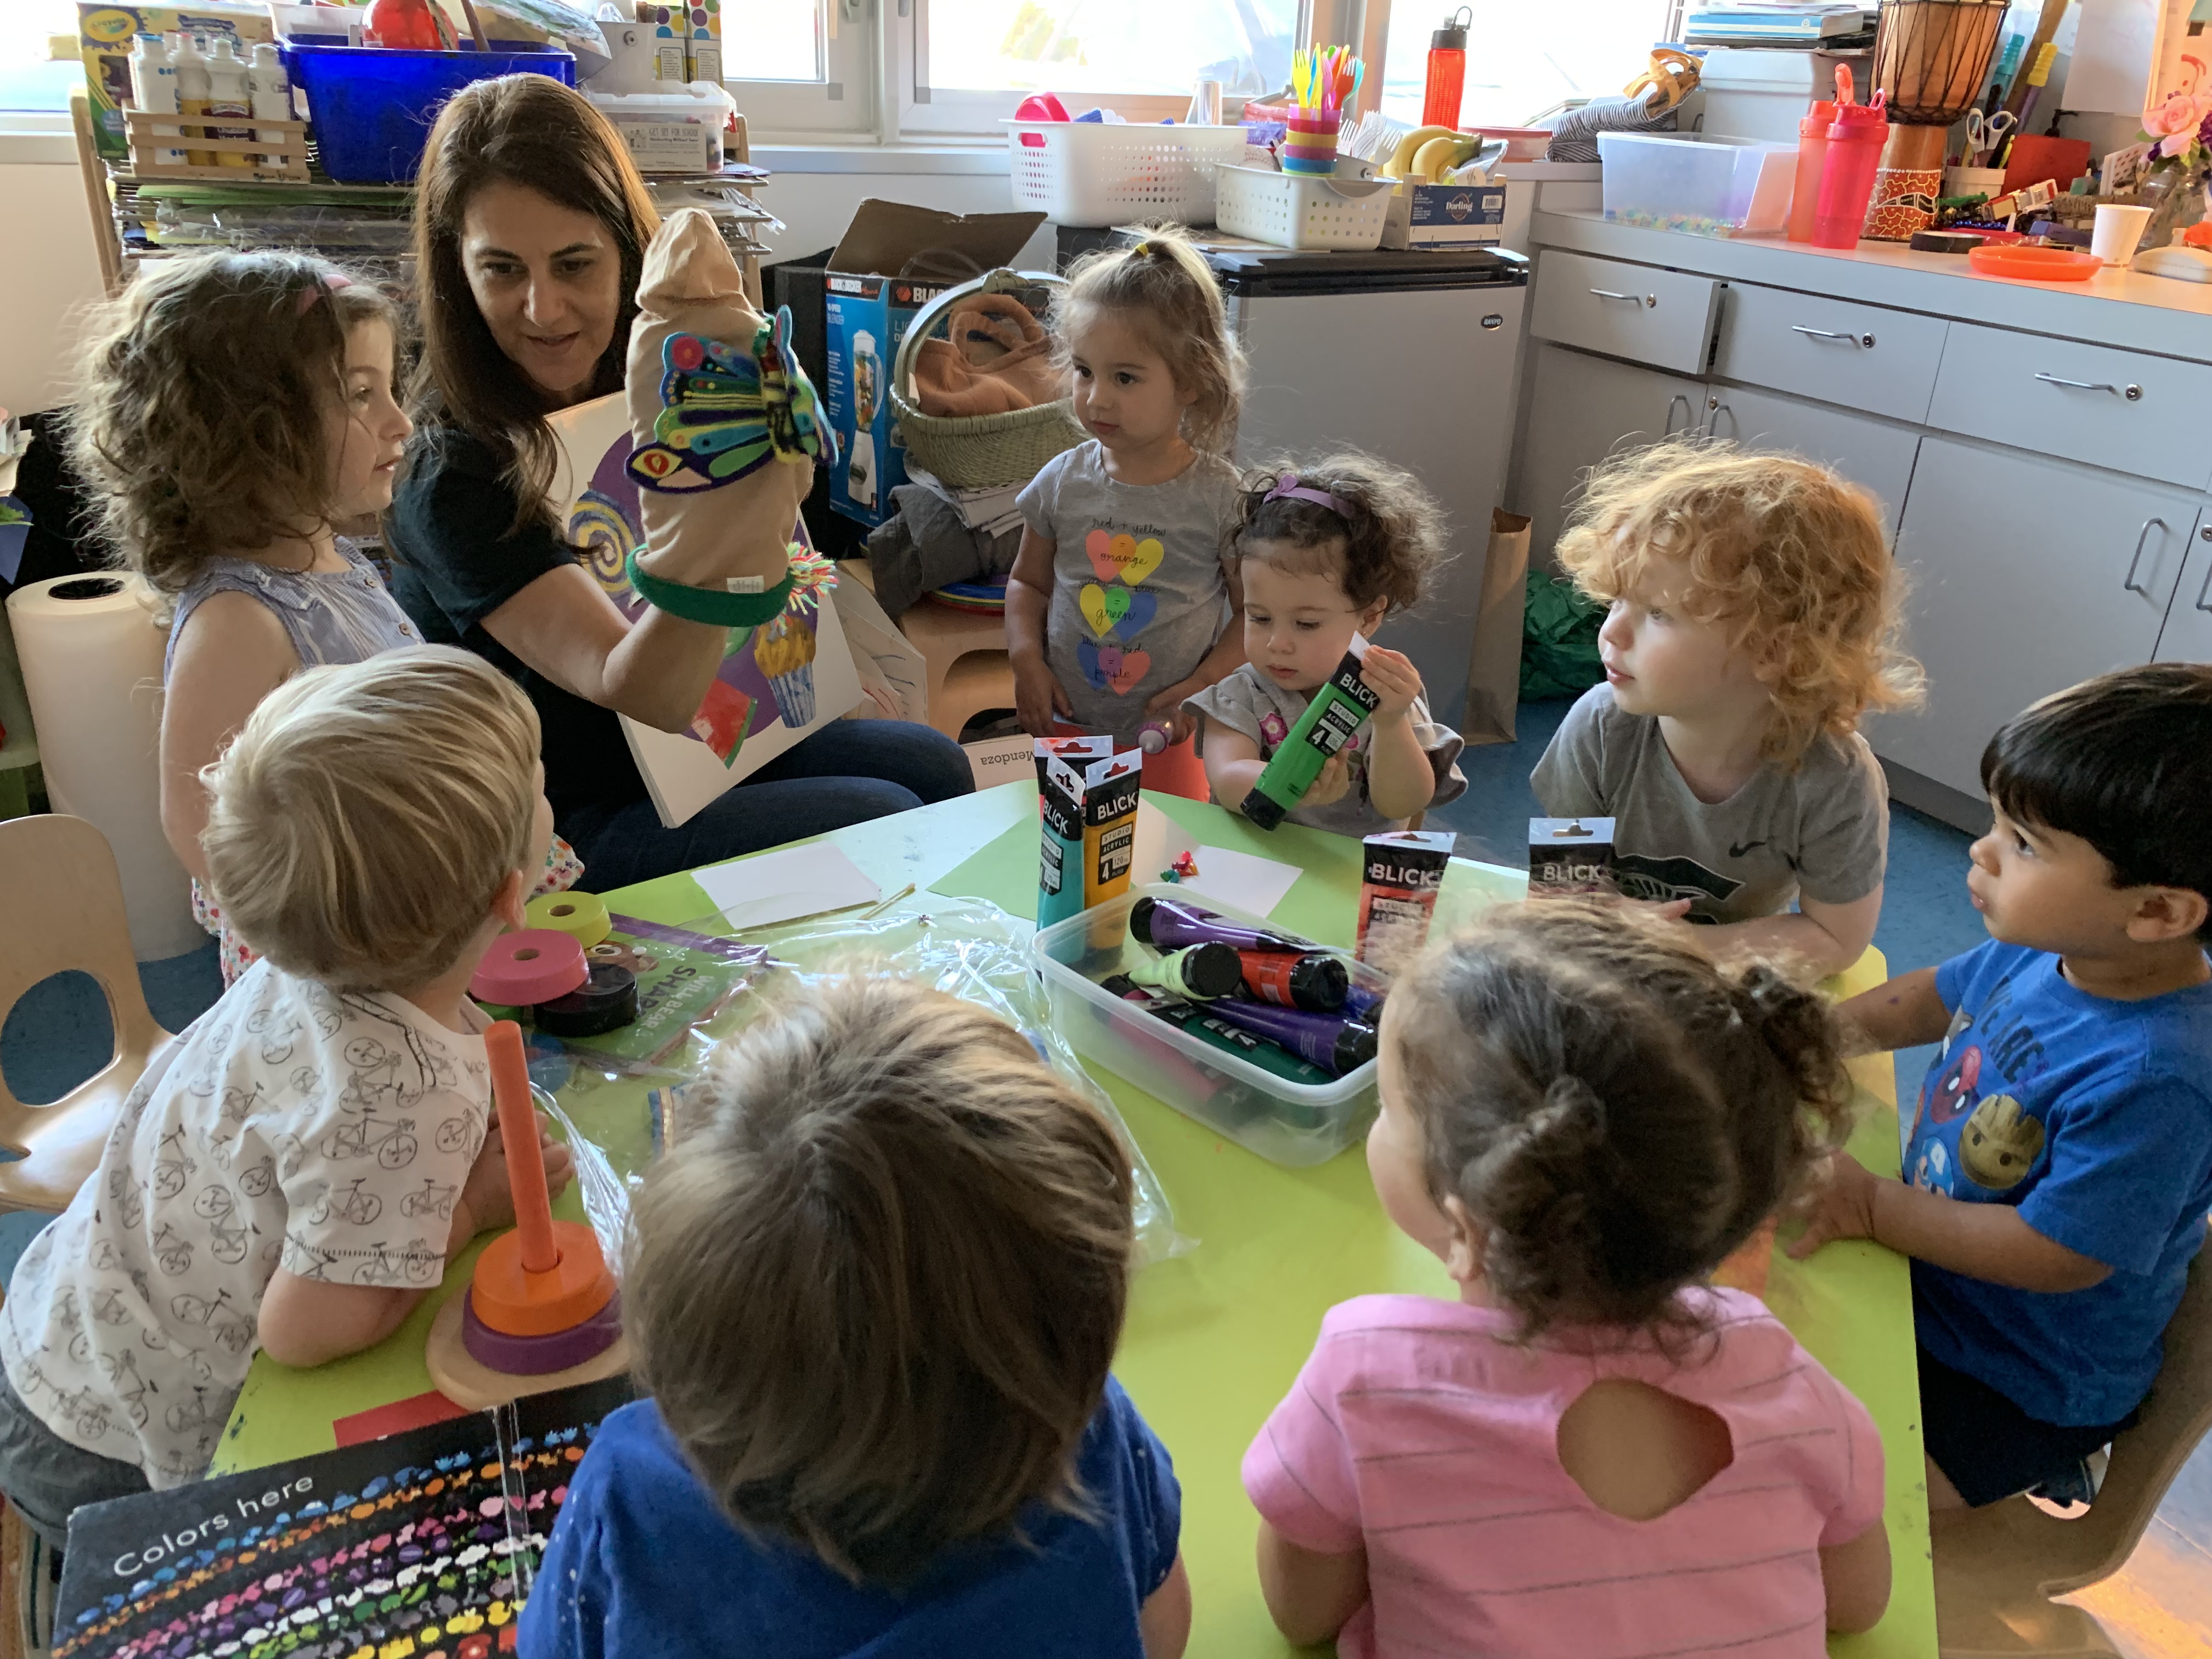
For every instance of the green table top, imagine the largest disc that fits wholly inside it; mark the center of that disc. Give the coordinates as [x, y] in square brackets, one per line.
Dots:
[1216, 1336]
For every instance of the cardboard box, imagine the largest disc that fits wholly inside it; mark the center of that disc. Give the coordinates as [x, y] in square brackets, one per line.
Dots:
[1446, 215]
[895, 259]
[1001, 760]
[703, 58]
[105, 34]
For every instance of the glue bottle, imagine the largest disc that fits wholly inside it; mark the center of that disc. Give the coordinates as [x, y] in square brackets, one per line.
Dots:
[192, 90]
[1440, 97]
[154, 89]
[230, 91]
[272, 99]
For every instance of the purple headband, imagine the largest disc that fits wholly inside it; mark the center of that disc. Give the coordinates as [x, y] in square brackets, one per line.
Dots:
[1288, 487]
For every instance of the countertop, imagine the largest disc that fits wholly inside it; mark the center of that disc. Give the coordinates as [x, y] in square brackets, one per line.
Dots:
[2114, 307]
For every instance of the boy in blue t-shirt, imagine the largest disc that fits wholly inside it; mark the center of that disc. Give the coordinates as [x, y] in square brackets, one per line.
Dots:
[873, 1294]
[2060, 1166]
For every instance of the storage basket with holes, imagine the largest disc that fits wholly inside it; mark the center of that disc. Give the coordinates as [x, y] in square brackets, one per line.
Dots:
[1093, 174]
[1298, 210]
[980, 452]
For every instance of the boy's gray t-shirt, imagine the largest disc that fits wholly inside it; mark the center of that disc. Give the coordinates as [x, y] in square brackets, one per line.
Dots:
[1822, 830]
[1249, 702]
[1137, 593]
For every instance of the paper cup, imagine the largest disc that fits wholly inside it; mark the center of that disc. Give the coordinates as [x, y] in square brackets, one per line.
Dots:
[2118, 229]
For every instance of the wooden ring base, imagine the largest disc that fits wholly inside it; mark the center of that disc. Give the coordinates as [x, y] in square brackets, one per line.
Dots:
[467, 1381]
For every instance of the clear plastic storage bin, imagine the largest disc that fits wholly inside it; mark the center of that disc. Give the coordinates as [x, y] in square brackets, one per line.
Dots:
[1096, 174]
[1284, 1123]
[1302, 211]
[1707, 186]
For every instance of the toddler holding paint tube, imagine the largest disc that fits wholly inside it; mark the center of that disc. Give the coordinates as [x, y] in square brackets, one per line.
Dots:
[1122, 601]
[293, 1172]
[1753, 620]
[874, 1296]
[1326, 551]
[237, 410]
[1587, 1450]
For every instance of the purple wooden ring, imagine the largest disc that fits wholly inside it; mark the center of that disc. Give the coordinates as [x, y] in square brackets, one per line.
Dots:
[535, 1356]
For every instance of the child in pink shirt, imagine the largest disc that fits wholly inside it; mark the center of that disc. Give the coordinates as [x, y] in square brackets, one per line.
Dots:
[1591, 1452]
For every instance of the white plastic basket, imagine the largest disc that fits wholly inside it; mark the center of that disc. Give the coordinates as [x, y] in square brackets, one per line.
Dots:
[1091, 173]
[1303, 210]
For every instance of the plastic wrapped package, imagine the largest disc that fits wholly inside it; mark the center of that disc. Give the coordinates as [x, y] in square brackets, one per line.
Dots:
[618, 1112]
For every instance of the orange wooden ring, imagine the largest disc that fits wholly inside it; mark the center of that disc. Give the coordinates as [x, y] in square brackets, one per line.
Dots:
[518, 1303]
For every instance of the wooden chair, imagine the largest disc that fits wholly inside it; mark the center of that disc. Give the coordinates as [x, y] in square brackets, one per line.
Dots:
[966, 655]
[62, 899]
[1998, 1567]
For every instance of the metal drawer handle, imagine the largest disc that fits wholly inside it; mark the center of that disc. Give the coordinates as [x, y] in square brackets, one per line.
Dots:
[2133, 393]
[2142, 536]
[2204, 593]
[1689, 412]
[1650, 300]
[1864, 341]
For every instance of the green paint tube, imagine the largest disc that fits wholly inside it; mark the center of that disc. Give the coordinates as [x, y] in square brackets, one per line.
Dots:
[1202, 972]
[1200, 1026]
[1338, 709]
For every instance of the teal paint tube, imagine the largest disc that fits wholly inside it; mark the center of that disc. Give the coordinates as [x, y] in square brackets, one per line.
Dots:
[1338, 709]
[1060, 862]
[1202, 1027]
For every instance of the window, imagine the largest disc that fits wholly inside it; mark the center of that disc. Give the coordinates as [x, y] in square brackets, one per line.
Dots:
[1521, 59]
[801, 65]
[28, 82]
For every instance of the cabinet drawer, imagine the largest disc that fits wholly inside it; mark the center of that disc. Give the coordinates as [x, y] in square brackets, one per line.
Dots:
[1865, 357]
[1663, 318]
[2121, 409]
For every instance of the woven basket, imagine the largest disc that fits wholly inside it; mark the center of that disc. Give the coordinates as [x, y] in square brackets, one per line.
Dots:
[977, 452]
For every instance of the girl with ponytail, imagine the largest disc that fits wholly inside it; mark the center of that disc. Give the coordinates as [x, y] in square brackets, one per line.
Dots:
[1592, 1449]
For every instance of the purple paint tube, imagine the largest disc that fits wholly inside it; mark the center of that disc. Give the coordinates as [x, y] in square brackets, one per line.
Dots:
[1329, 1041]
[1170, 924]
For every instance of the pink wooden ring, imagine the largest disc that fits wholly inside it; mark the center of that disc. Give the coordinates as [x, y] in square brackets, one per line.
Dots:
[522, 969]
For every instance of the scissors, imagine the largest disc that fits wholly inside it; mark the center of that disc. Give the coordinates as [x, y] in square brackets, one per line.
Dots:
[1985, 132]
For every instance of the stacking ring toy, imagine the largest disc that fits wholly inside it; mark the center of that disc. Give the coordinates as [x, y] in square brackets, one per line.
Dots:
[607, 1003]
[534, 966]
[582, 917]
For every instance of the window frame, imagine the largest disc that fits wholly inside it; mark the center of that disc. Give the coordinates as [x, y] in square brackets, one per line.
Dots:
[842, 103]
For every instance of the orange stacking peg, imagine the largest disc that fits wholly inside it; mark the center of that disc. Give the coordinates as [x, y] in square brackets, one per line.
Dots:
[517, 1127]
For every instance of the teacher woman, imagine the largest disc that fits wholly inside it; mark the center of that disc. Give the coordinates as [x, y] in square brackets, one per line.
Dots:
[530, 224]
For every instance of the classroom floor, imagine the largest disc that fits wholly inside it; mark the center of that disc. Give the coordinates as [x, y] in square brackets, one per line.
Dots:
[2160, 1606]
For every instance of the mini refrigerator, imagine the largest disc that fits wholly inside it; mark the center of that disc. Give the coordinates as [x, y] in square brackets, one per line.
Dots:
[1410, 355]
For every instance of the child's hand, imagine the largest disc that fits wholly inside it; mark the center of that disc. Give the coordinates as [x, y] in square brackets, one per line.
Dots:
[1038, 698]
[1167, 707]
[1666, 909]
[490, 1200]
[1392, 676]
[1841, 1205]
[1334, 782]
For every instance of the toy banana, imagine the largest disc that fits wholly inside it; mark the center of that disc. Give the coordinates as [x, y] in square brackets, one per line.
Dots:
[1401, 159]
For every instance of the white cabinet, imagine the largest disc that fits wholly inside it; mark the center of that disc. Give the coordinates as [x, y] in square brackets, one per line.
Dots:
[2026, 575]
[1582, 409]
[1874, 453]
[2188, 635]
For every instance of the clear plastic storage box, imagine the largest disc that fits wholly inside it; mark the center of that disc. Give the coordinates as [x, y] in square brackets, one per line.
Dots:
[1284, 1123]
[1707, 186]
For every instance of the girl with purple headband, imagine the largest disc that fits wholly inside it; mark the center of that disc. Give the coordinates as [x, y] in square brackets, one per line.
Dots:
[1325, 552]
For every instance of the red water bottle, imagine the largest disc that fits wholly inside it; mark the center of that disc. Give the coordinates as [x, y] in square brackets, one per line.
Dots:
[1854, 140]
[1813, 155]
[405, 23]
[1447, 71]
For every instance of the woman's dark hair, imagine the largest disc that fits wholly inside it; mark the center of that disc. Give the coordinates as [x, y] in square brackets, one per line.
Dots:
[876, 1291]
[199, 428]
[2124, 761]
[1392, 532]
[530, 130]
[1617, 1110]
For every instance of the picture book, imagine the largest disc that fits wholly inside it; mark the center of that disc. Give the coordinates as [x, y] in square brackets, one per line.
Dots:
[422, 1543]
[684, 978]
[778, 681]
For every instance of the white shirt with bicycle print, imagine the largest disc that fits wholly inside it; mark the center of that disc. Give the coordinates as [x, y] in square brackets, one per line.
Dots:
[327, 1132]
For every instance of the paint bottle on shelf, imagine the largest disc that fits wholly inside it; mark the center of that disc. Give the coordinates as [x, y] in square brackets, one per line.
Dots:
[272, 99]
[192, 67]
[154, 89]
[230, 91]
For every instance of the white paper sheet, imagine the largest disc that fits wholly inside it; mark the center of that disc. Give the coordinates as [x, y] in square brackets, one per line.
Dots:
[1254, 885]
[2113, 44]
[804, 881]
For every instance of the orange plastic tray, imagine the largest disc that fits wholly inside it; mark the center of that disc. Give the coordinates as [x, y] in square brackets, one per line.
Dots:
[2037, 264]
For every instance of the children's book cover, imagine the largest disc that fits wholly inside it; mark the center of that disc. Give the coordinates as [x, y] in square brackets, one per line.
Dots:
[778, 681]
[422, 1545]
[684, 978]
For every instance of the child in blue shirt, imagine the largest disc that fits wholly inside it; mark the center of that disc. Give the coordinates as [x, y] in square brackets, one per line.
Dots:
[2060, 1166]
[873, 1295]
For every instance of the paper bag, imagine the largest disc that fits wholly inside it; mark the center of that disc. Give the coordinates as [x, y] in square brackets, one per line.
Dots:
[1493, 679]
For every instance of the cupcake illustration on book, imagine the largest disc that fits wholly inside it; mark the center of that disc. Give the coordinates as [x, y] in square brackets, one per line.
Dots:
[784, 653]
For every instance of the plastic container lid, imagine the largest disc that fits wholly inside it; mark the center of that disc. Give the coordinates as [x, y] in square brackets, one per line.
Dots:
[1452, 36]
